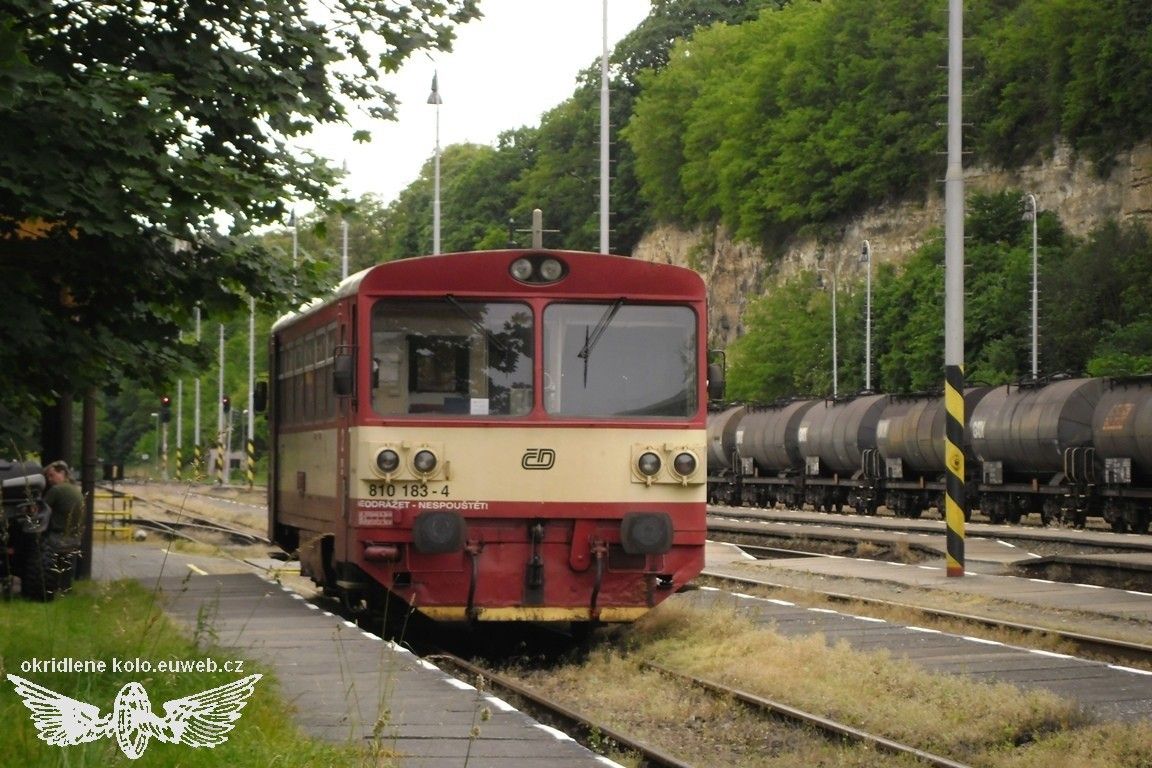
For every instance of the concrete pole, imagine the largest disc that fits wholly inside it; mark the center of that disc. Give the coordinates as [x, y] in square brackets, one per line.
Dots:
[955, 502]
[604, 148]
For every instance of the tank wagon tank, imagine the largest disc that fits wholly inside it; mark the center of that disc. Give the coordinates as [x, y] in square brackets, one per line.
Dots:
[1064, 448]
[1033, 443]
[723, 461]
[1122, 441]
[832, 437]
[771, 464]
[907, 465]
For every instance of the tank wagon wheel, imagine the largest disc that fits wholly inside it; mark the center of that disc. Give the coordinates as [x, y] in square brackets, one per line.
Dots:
[1078, 518]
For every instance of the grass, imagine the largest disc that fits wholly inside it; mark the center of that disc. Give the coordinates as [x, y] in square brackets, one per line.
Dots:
[122, 621]
[985, 725]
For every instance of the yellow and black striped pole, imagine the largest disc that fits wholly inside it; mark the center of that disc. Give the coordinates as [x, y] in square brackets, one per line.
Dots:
[197, 462]
[955, 504]
[179, 463]
[220, 461]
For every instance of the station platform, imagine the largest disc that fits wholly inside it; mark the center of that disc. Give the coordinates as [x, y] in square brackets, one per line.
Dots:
[1106, 691]
[344, 684]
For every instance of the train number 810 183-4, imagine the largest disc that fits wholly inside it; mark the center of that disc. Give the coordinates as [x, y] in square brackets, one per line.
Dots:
[406, 491]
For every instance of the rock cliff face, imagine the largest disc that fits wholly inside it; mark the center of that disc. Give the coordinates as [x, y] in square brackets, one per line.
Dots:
[737, 272]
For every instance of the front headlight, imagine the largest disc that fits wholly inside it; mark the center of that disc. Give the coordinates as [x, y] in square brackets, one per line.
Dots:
[648, 464]
[424, 461]
[387, 461]
[684, 464]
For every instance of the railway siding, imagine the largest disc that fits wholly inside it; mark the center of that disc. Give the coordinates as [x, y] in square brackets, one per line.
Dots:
[1110, 692]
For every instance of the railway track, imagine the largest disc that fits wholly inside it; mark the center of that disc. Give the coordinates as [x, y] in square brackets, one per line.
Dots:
[180, 521]
[1030, 625]
[592, 731]
[194, 528]
[549, 710]
[828, 727]
[1085, 538]
[1080, 644]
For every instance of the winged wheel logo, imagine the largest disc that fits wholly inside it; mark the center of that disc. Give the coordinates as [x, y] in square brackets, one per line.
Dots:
[200, 720]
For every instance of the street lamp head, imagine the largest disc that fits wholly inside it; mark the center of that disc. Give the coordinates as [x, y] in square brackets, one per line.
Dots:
[434, 97]
[1030, 211]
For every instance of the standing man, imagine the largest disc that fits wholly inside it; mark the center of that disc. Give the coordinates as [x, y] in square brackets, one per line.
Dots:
[48, 560]
[66, 501]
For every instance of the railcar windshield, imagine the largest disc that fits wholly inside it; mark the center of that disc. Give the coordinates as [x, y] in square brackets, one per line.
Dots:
[619, 359]
[450, 356]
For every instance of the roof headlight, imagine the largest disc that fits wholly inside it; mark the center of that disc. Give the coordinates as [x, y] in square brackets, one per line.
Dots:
[539, 268]
[424, 461]
[648, 464]
[551, 270]
[521, 270]
[387, 461]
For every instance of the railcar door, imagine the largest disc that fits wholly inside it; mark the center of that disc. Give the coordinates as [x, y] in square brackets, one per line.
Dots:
[345, 419]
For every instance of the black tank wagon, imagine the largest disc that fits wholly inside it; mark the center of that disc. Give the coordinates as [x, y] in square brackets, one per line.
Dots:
[1064, 448]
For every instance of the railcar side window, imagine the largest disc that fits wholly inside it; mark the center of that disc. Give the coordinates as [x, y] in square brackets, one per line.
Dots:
[450, 356]
[304, 394]
[619, 359]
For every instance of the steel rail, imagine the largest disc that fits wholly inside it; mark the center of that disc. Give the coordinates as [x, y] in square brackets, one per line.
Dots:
[570, 719]
[1119, 649]
[824, 724]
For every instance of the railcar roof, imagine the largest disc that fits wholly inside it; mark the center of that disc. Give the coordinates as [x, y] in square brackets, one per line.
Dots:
[470, 273]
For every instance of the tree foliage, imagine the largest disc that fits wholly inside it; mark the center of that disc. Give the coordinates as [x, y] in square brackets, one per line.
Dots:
[1080, 69]
[809, 112]
[128, 128]
[793, 117]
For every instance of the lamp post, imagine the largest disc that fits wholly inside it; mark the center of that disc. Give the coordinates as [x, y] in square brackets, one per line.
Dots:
[156, 415]
[866, 257]
[434, 99]
[835, 364]
[1031, 213]
[604, 150]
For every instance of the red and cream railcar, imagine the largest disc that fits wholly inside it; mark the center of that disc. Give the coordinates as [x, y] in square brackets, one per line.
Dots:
[505, 435]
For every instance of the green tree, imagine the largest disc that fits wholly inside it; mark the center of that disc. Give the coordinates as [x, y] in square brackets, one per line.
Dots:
[787, 347]
[1079, 69]
[1095, 311]
[128, 128]
[660, 131]
[793, 118]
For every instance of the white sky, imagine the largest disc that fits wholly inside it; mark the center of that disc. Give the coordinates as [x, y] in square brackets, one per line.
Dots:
[506, 69]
